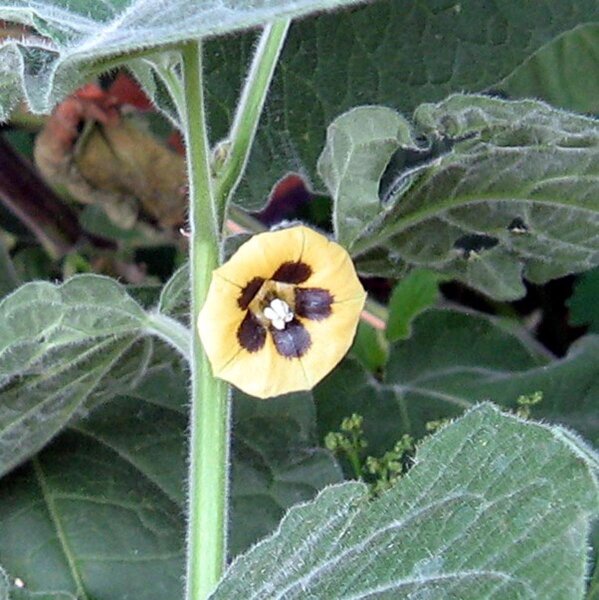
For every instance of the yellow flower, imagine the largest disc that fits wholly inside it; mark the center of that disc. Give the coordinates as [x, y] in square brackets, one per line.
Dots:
[281, 313]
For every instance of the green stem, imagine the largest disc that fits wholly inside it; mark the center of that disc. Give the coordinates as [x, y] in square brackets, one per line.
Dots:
[171, 80]
[110, 63]
[171, 331]
[248, 112]
[354, 461]
[208, 458]
[244, 219]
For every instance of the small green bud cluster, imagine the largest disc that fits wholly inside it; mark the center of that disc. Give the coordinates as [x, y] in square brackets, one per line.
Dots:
[526, 401]
[379, 472]
[391, 466]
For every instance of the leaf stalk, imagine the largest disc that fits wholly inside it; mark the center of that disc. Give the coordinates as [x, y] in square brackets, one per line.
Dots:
[171, 331]
[247, 115]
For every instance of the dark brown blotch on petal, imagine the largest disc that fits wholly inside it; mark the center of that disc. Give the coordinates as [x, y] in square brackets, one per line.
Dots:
[293, 341]
[313, 303]
[292, 272]
[249, 292]
[251, 333]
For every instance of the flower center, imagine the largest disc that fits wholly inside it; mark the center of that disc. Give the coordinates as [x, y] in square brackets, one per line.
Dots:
[273, 304]
[278, 313]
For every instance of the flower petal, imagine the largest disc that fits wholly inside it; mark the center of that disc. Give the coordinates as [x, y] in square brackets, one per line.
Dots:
[263, 254]
[265, 373]
[219, 321]
[332, 268]
[331, 338]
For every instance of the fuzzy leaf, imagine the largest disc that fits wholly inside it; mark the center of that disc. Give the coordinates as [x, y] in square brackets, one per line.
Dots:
[104, 500]
[155, 73]
[473, 369]
[512, 193]
[397, 54]
[83, 37]
[384, 52]
[276, 464]
[97, 526]
[274, 461]
[62, 346]
[442, 343]
[174, 297]
[359, 145]
[493, 508]
[451, 361]
[103, 505]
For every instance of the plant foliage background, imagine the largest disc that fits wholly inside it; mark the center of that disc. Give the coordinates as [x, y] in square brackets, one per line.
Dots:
[475, 209]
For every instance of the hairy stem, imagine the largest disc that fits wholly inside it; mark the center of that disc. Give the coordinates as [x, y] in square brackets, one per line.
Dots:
[209, 427]
[248, 112]
[171, 331]
[209, 442]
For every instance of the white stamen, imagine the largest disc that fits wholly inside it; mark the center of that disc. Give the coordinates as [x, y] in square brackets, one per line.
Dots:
[279, 313]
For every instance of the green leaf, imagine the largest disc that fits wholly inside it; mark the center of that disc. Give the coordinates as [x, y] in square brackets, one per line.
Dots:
[593, 590]
[174, 297]
[62, 346]
[564, 72]
[275, 461]
[584, 309]
[23, 594]
[514, 196]
[104, 501]
[276, 464]
[412, 295]
[159, 76]
[593, 593]
[83, 38]
[493, 508]
[95, 526]
[110, 519]
[386, 52]
[452, 361]
[370, 347]
[351, 389]
[32, 263]
[397, 54]
[359, 145]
